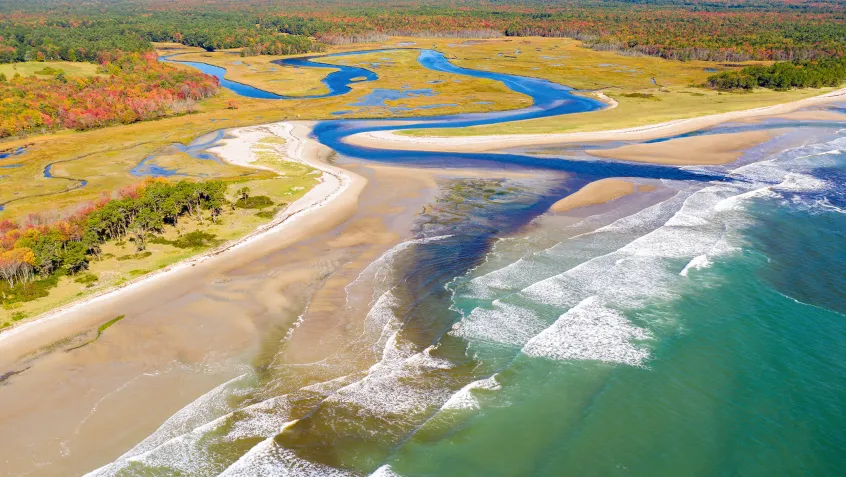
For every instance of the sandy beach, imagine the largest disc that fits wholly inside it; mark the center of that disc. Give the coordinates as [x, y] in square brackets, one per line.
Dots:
[336, 185]
[389, 140]
[73, 404]
[205, 321]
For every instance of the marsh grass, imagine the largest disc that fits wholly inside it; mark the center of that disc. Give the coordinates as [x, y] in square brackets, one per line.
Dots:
[648, 90]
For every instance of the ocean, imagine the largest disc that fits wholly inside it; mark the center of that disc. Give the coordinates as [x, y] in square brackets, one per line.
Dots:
[699, 329]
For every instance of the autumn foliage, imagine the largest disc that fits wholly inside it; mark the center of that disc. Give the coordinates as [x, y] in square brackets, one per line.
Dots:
[130, 87]
[41, 247]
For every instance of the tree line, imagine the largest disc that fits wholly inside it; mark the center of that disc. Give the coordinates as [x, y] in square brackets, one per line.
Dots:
[718, 30]
[784, 75]
[34, 251]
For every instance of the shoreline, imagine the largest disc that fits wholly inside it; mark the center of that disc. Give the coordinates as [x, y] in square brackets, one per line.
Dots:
[299, 147]
[391, 140]
[335, 182]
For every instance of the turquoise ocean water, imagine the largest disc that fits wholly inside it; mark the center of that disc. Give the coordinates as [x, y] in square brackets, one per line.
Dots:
[696, 330]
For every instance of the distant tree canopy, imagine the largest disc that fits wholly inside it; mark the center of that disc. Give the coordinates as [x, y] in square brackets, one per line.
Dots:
[720, 30]
[784, 75]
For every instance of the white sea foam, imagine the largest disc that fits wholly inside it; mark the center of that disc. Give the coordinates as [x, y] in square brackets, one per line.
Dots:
[825, 204]
[590, 331]
[401, 389]
[205, 409]
[795, 182]
[504, 323]
[549, 262]
[384, 471]
[698, 262]
[465, 398]
[380, 320]
[640, 268]
[268, 459]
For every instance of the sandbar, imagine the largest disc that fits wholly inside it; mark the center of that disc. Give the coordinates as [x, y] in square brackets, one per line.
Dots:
[389, 140]
[711, 149]
[598, 192]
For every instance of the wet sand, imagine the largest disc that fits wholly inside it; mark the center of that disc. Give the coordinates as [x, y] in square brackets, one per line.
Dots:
[185, 331]
[599, 192]
[190, 330]
[709, 149]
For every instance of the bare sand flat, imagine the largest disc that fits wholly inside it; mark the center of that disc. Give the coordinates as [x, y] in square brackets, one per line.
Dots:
[335, 197]
[186, 330]
[389, 140]
[710, 149]
[597, 192]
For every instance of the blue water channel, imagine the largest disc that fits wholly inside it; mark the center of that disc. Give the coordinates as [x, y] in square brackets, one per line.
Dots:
[338, 81]
[548, 99]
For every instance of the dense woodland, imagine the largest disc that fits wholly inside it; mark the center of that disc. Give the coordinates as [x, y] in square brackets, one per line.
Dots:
[784, 75]
[35, 253]
[720, 30]
[130, 87]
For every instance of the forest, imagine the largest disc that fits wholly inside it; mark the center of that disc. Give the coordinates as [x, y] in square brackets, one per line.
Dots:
[130, 87]
[784, 75]
[34, 254]
[718, 30]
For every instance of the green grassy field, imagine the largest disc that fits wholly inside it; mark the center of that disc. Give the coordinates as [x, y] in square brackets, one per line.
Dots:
[33, 67]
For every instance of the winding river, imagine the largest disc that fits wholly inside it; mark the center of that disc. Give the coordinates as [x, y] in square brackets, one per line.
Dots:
[548, 99]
